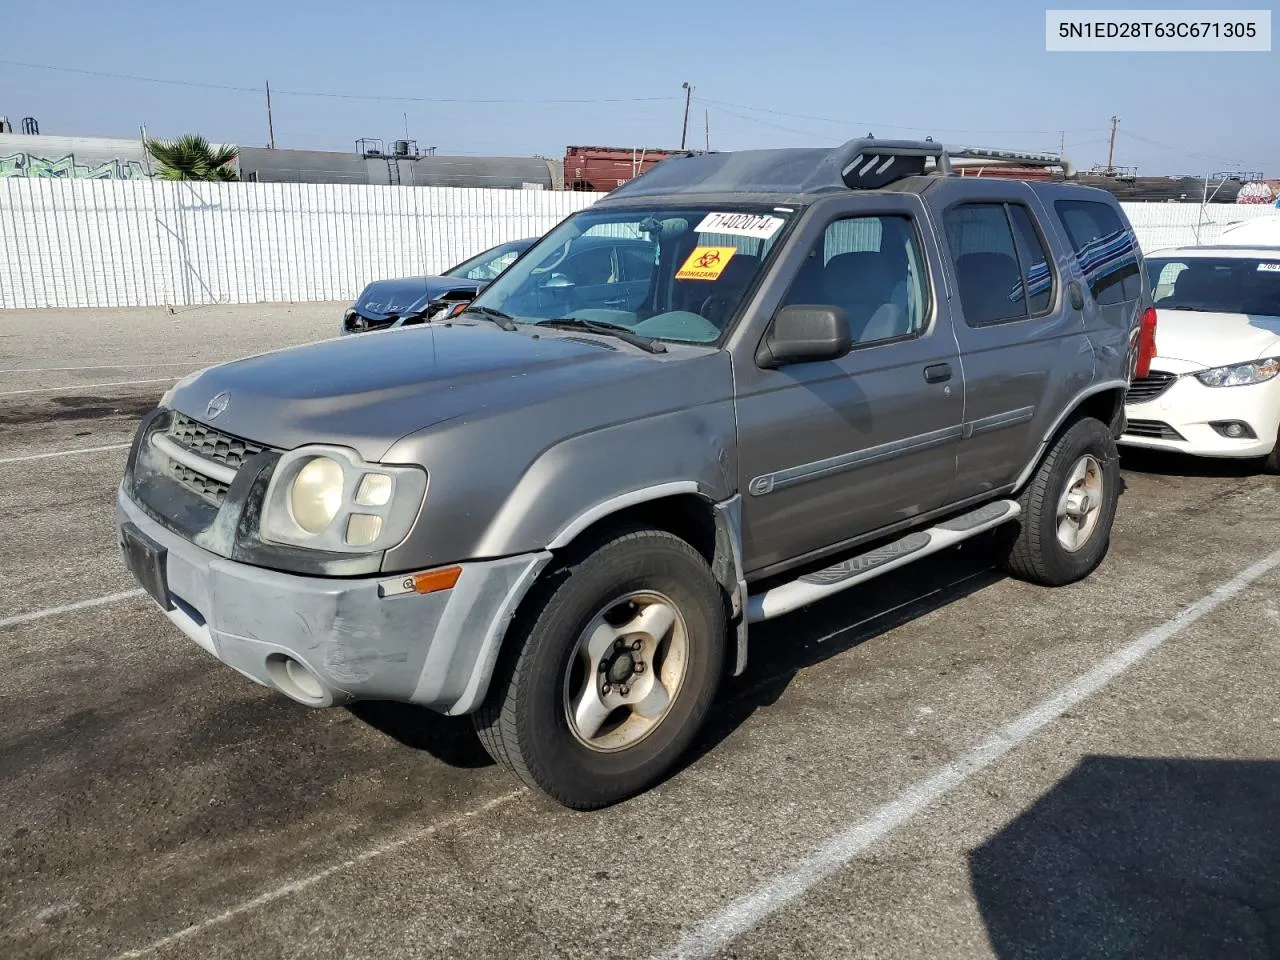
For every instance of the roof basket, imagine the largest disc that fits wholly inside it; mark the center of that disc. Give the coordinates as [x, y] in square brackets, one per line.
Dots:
[869, 164]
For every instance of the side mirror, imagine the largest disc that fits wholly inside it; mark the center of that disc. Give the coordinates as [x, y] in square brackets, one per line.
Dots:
[558, 281]
[1075, 296]
[805, 334]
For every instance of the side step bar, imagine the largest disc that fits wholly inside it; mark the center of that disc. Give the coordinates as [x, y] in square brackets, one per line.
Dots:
[820, 584]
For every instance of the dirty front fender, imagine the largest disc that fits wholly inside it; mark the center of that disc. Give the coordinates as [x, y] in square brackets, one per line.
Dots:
[512, 478]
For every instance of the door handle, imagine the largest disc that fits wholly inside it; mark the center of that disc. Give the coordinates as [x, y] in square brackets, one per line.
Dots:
[937, 372]
[1075, 296]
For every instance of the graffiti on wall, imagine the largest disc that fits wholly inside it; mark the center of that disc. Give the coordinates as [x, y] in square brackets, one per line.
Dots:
[66, 168]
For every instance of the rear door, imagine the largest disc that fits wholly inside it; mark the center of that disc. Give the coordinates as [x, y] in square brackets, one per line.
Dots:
[1023, 346]
[1114, 275]
[831, 451]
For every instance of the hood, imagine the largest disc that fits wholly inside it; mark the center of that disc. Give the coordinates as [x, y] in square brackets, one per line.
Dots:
[407, 294]
[366, 392]
[1215, 339]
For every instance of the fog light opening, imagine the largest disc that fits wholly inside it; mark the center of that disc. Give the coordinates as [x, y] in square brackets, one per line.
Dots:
[1234, 430]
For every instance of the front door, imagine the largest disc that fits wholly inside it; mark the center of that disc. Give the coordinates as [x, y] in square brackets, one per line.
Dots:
[831, 451]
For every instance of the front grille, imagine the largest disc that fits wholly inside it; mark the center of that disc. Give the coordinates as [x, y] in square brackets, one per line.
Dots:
[212, 444]
[209, 444]
[1151, 386]
[212, 490]
[1152, 430]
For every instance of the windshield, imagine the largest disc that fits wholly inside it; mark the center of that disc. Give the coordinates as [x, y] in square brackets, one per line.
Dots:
[674, 273]
[1217, 284]
[487, 265]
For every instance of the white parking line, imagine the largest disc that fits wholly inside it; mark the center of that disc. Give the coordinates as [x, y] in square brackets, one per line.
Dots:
[717, 931]
[69, 608]
[85, 386]
[295, 886]
[111, 366]
[64, 453]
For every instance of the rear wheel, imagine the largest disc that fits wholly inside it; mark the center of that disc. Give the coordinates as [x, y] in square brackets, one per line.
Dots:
[610, 671]
[1068, 508]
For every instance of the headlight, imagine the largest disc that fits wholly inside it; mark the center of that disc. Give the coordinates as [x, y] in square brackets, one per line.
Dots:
[315, 495]
[1240, 374]
[327, 498]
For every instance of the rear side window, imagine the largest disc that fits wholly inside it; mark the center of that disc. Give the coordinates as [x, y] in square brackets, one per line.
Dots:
[1002, 271]
[1105, 249]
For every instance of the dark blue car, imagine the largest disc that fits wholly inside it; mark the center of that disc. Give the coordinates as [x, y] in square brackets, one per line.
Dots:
[384, 304]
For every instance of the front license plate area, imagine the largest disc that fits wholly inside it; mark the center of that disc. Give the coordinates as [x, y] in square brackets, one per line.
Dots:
[146, 561]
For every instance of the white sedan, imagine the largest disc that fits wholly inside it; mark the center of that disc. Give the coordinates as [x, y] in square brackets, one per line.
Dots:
[1213, 389]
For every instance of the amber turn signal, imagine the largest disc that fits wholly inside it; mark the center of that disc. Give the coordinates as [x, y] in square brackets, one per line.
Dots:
[434, 580]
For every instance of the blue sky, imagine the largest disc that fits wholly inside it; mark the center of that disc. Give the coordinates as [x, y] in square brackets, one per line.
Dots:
[965, 72]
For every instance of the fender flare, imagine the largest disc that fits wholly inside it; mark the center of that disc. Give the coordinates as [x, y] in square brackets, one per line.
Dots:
[1091, 391]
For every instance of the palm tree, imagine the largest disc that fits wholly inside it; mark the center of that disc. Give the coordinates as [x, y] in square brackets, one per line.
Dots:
[191, 158]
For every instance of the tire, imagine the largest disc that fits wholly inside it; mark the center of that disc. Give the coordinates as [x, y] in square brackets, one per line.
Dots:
[1038, 553]
[529, 721]
[1272, 463]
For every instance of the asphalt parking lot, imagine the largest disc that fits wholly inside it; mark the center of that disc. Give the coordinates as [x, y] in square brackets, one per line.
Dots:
[942, 763]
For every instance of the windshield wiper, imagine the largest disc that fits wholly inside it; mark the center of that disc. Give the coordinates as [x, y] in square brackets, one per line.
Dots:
[607, 329]
[497, 316]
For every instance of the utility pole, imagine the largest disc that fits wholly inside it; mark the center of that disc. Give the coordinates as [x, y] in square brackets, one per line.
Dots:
[271, 131]
[1111, 147]
[1062, 143]
[684, 130]
[706, 120]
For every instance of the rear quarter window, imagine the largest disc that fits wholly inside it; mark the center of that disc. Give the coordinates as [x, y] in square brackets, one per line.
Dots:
[1105, 249]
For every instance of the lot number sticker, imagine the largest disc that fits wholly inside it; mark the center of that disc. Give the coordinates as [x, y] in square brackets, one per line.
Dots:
[758, 225]
[1270, 267]
[706, 263]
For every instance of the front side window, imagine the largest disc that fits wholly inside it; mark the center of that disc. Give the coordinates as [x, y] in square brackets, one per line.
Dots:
[487, 265]
[871, 268]
[1106, 251]
[677, 273]
[1002, 270]
[1248, 285]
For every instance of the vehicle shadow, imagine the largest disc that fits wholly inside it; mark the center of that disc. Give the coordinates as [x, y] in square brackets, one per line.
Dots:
[779, 651]
[451, 740]
[1168, 463]
[782, 648]
[1139, 858]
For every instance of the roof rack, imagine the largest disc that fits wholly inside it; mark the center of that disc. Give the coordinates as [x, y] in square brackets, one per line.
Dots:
[869, 164]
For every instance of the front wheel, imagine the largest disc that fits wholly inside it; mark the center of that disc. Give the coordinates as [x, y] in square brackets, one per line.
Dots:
[610, 670]
[1068, 508]
[1272, 463]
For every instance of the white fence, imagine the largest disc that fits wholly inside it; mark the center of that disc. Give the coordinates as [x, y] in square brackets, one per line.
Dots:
[114, 243]
[119, 243]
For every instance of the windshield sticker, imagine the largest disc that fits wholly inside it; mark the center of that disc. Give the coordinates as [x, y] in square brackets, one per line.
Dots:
[1270, 267]
[758, 225]
[706, 263]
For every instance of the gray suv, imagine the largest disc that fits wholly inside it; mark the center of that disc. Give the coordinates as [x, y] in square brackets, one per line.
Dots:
[561, 511]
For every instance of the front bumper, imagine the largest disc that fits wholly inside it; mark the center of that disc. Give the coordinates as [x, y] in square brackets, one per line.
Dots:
[1188, 408]
[330, 640]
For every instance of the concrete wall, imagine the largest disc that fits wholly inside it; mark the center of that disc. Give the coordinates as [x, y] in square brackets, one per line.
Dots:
[105, 243]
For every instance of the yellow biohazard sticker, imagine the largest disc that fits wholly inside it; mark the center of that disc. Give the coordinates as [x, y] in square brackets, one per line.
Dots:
[706, 263]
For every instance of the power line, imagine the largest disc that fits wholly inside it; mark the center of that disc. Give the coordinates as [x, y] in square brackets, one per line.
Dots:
[1186, 153]
[768, 123]
[860, 123]
[320, 93]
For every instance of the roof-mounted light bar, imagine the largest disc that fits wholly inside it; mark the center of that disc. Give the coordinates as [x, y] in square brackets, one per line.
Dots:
[868, 163]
